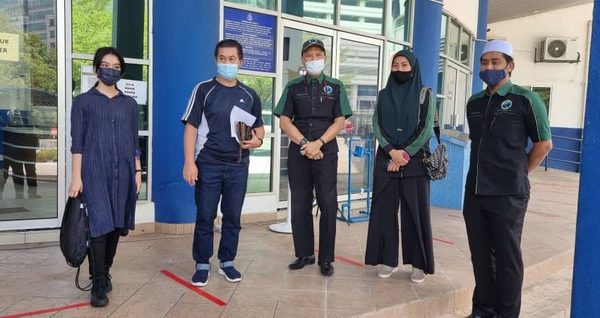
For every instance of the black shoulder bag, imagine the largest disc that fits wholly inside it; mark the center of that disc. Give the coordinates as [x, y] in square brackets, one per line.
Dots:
[75, 235]
[436, 163]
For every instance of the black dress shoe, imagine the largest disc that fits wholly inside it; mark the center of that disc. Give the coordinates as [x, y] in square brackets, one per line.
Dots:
[300, 262]
[326, 269]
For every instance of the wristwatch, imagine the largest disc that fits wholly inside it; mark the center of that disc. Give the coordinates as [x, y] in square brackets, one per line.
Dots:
[303, 141]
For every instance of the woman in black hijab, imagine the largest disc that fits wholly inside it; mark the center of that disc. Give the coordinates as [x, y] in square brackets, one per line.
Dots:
[403, 124]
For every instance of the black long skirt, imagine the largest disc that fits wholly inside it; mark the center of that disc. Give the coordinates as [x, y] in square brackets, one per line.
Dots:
[411, 195]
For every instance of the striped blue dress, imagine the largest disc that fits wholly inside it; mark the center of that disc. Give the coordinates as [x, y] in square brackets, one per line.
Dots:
[105, 131]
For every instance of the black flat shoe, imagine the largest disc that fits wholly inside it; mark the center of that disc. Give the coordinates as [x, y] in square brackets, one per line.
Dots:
[326, 269]
[300, 262]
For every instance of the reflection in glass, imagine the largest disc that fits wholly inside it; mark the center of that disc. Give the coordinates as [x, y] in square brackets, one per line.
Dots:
[98, 23]
[259, 178]
[143, 195]
[461, 101]
[318, 10]
[263, 4]
[292, 61]
[443, 35]
[363, 15]
[453, 34]
[398, 20]
[359, 70]
[465, 47]
[440, 79]
[28, 111]
[449, 121]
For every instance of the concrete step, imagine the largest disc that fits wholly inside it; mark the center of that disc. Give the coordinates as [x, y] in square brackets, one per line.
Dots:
[550, 298]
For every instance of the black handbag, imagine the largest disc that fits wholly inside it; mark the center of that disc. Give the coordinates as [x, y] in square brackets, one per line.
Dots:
[436, 163]
[75, 235]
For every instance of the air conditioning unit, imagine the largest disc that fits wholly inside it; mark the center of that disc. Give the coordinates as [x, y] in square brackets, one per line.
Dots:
[558, 49]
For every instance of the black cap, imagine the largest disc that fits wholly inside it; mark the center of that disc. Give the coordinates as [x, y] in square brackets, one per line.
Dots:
[313, 42]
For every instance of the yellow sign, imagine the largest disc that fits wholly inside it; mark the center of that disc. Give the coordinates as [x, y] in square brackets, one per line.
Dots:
[9, 47]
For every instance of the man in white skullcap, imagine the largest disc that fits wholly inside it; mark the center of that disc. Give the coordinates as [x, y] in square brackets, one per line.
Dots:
[502, 118]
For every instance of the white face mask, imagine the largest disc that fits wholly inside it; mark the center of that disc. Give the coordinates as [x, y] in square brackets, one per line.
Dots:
[315, 67]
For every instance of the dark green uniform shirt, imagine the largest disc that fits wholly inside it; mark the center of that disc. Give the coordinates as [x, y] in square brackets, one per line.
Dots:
[499, 128]
[313, 104]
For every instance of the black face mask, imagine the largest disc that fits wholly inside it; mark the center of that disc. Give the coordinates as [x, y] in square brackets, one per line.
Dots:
[401, 77]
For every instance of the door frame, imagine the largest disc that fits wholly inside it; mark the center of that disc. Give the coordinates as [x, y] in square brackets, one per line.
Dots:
[337, 37]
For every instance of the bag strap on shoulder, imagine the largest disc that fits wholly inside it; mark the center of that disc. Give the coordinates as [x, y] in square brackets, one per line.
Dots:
[436, 122]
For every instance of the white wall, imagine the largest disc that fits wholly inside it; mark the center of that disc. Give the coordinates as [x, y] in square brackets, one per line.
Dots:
[567, 80]
[466, 11]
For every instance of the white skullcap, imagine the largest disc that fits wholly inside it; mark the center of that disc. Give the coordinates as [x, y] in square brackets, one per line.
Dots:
[498, 46]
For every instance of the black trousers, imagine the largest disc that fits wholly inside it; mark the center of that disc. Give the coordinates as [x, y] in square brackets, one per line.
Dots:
[305, 175]
[411, 195]
[494, 227]
[102, 253]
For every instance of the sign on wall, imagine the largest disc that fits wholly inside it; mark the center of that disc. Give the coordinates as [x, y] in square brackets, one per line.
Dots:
[256, 32]
[9, 47]
[136, 89]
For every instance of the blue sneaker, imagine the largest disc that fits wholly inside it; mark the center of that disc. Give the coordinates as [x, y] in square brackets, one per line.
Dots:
[200, 278]
[231, 274]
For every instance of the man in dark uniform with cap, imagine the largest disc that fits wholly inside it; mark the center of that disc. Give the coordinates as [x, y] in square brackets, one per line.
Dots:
[312, 110]
[502, 118]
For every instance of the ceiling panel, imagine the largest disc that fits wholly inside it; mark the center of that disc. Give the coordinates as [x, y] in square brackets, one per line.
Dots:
[500, 10]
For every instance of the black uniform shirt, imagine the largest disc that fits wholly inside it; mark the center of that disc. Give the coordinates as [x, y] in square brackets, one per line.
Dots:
[313, 104]
[499, 128]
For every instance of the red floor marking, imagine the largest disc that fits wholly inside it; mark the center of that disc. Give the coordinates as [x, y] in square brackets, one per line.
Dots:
[443, 241]
[45, 311]
[193, 288]
[455, 216]
[346, 260]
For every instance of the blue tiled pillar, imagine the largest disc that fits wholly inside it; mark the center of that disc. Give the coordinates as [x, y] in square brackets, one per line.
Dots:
[426, 39]
[482, 22]
[185, 33]
[586, 276]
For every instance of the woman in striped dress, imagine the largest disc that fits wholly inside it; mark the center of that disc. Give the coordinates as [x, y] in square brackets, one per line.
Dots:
[106, 165]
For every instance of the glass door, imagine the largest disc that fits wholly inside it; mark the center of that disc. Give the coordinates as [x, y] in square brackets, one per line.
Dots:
[294, 35]
[31, 125]
[359, 68]
[357, 62]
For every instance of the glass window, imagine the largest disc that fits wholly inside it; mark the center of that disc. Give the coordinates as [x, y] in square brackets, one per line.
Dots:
[443, 34]
[398, 20]
[28, 111]
[143, 140]
[449, 118]
[365, 16]
[263, 4]
[322, 10]
[453, 35]
[545, 93]
[97, 23]
[461, 100]
[440, 82]
[259, 178]
[465, 47]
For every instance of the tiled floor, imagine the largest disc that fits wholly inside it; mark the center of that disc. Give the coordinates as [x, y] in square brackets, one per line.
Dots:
[36, 278]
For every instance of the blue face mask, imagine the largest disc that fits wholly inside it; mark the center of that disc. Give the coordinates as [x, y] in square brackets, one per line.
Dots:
[492, 77]
[227, 71]
[109, 76]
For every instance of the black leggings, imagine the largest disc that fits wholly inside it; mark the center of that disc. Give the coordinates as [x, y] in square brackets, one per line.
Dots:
[102, 253]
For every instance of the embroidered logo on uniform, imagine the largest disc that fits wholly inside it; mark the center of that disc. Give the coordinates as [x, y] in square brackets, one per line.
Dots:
[328, 89]
[506, 105]
[242, 100]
